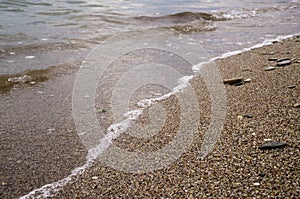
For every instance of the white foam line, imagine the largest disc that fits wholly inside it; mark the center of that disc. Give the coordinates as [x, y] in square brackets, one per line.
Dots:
[115, 130]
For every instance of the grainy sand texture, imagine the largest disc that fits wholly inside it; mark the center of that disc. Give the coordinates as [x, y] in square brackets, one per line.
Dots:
[260, 110]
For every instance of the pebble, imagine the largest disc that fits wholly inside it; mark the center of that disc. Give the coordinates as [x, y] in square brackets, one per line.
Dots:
[95, 177]
[272, 59]
[284, 63]
[101, 111]
[248, 116]
[2, 50]
[297, 105]
[269, 68]
[291, 86]
[248, 80]
[240, 117]
[50, 131]
[267, 140]
[256, 183]
[233, 81]
[282, 59]
[272, 145]
[29, 57]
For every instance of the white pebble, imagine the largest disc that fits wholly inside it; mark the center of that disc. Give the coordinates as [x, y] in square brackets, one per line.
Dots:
[29, 57]
[267, 140]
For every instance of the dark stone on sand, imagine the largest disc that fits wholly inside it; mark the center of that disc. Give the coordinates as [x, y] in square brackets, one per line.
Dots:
[262, 174]
[284, 63]
[234, 81]
[291, 86]
[272, 145]
[269, 68]
[272, 59]
[248, 116]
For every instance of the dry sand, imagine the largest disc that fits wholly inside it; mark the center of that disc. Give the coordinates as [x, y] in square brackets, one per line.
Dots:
[236, 168]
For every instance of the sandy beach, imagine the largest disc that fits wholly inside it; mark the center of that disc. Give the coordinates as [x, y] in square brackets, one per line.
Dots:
[39, 143]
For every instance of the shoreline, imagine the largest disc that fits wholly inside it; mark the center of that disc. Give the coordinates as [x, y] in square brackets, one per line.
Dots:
[248, 71]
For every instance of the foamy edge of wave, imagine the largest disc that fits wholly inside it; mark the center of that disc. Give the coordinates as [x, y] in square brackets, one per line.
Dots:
[114, 130]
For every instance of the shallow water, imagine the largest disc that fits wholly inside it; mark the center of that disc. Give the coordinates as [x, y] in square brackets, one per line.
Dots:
[74, 27]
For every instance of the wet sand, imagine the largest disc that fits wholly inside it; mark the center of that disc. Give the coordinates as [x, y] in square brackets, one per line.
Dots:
[39, 143]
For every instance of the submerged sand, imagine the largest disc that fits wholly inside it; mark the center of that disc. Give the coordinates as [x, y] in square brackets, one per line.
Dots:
[260, 111]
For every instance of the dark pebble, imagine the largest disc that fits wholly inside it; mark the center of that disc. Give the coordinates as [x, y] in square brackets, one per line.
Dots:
[272, 145]
[292, 86]
[262, 174]
[234, 81]
[284, 63]
[272, 59]
[248, 116]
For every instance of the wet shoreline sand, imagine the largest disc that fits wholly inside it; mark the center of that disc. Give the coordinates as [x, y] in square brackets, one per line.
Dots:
[257, 112]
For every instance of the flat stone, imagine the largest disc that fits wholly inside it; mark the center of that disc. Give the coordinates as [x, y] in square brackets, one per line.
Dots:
[248, 116]
[269, 68]
[297, 105]
[291, 86]
[282, 59]
[233, 81]
[272, 145]
[272, 59]
[284, 63]
[248, 80]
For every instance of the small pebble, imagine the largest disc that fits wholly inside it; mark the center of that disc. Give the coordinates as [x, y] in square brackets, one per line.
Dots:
[248, 80]
[291, 86]
[262, 174]
[297, 105]
[272, 145]
[248, 116]
[283, 59]
[256, 183]
[284, 63]
[272, 59]
[95, 177]
[29, 57]
[233, 81]
[267, 140]
[269, 68]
